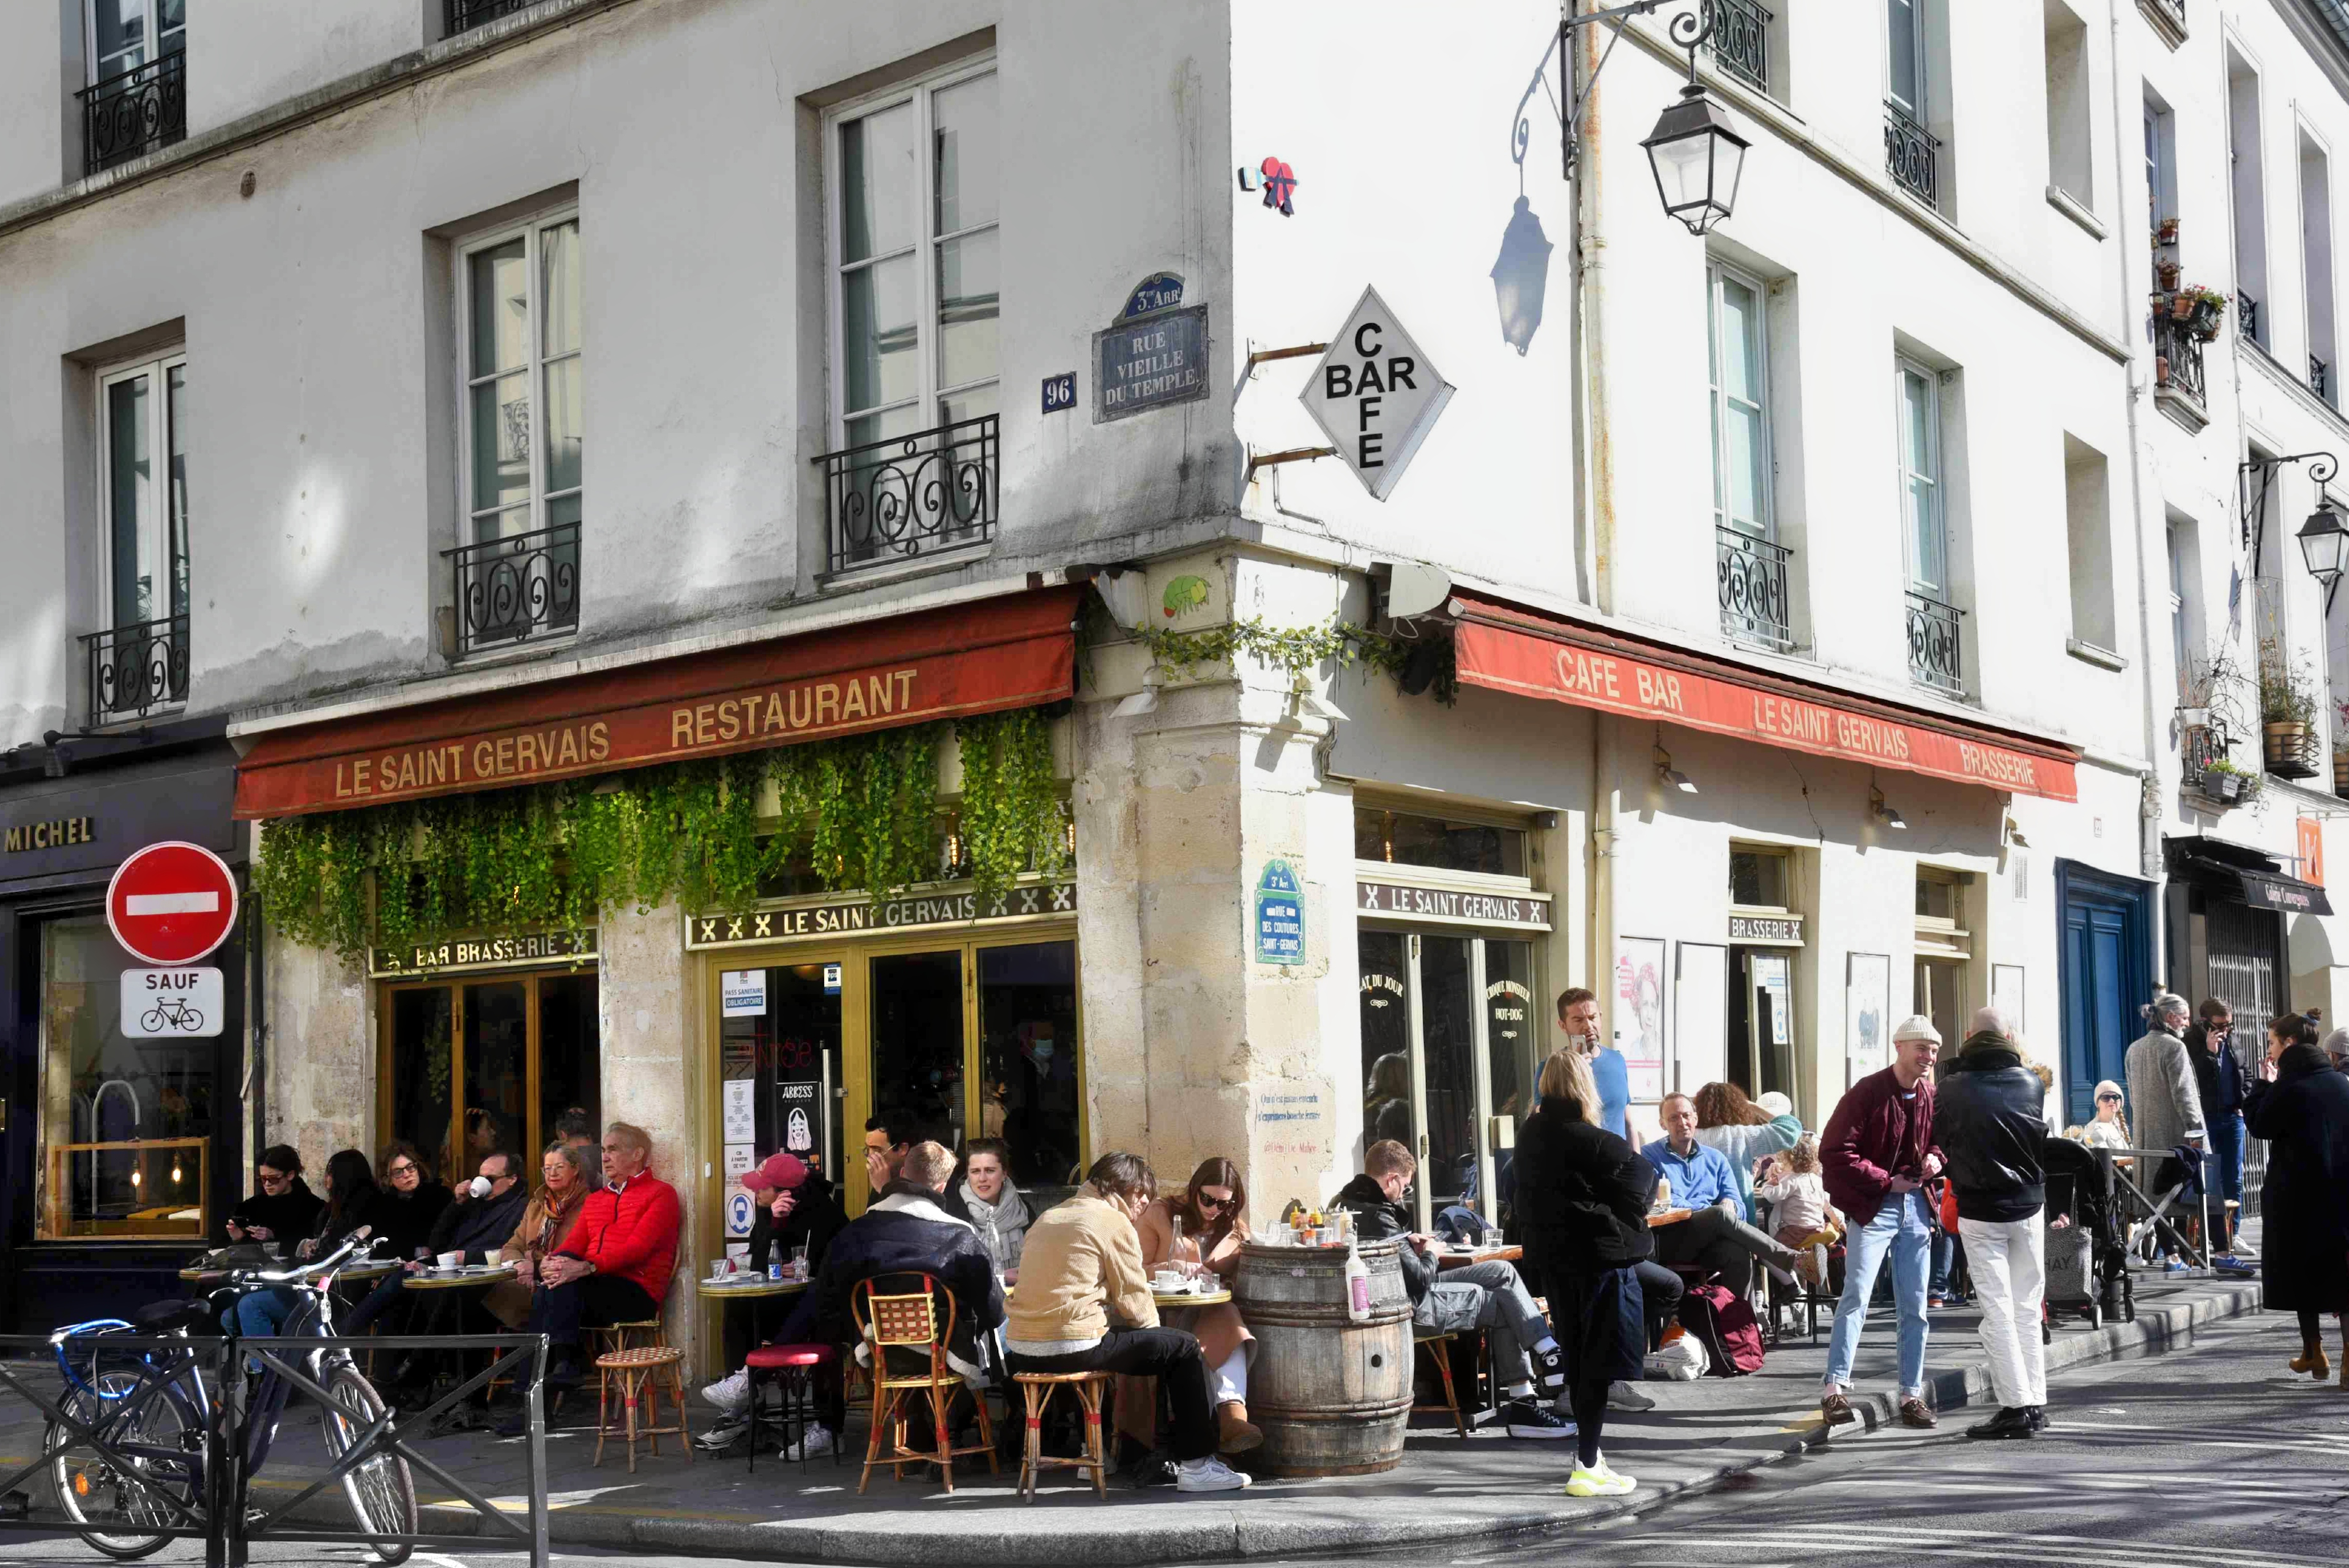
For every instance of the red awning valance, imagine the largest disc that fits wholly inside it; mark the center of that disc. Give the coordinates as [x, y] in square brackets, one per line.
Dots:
[1509, 648]
[983, 658]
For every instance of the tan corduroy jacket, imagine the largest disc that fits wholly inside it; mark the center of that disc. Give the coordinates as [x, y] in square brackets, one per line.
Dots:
[1080, 1271]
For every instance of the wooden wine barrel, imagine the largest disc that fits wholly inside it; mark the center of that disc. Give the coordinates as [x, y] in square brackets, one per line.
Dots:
[1331, 1396]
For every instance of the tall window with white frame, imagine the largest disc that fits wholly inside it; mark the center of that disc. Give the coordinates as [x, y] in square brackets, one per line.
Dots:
[1932, 617]
[2316, 265]
[136, 99]
[1750, 575]
[2249, 199]
[915, 297]
[139, 663]
[1909, 148]
[516, 572]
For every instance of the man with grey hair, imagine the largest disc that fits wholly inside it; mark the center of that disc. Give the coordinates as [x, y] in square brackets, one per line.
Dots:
[2165, 1102]
[1988, 1115]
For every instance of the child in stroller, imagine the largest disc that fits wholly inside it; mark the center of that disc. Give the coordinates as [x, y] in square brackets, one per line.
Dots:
[2087, 1270]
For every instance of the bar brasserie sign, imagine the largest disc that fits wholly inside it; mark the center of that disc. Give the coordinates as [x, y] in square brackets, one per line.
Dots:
[510, 949]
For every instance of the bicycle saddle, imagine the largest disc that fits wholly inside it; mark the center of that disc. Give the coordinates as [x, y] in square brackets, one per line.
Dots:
[176, 1317]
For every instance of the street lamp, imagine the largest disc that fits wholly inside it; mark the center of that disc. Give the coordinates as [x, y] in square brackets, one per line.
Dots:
[2324, 546]
[1696, 155]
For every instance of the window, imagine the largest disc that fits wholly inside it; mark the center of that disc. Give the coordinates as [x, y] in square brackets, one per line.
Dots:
[125, 1121]
[475, 1066]
[1924, 536]
[144, 492]
[2087, 532]
[136, 99]
[2249, 200]
[1760, 879]
[1402, 838]
[1738, 341]
[1905, 75]
[125, 35]
[2316, 265]
[917, 274]
[517, 566]
[2069, 150]
[2186, 633]
[1912, 150]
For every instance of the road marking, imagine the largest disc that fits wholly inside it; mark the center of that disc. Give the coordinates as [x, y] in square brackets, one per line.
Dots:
[1920, 1538]
[169, 903]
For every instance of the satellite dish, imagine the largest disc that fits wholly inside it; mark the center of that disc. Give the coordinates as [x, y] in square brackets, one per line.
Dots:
[1415, 587]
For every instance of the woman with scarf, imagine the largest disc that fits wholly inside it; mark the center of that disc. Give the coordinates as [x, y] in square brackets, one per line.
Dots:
[986, 1200]
[2301, 1106]
[545, 1224]
[1211, 1212]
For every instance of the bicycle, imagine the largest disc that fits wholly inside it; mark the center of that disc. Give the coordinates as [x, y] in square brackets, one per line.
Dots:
[171, 1010]
[152, 1413]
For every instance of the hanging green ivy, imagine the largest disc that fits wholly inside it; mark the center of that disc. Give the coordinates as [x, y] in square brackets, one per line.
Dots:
[859, 813]
[1295, 650]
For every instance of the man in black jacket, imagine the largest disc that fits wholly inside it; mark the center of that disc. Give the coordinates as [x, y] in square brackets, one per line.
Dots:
[1989, 1118]
[905, 1231]
[1487, 1295]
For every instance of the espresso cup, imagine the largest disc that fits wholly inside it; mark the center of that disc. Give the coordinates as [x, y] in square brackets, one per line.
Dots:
[452, 1260]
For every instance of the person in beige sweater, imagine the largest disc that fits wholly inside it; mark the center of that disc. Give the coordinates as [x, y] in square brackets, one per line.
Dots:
[1084, 1305]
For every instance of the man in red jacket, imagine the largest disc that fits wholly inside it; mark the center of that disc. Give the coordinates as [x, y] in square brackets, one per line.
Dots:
[1876, 1157]
[616, 1266]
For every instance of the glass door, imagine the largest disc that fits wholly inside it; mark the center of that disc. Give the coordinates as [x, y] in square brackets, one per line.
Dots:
[474, 1067]
[779, 1061]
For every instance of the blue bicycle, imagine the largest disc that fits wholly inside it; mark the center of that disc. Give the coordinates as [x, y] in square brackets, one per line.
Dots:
[149, 1411]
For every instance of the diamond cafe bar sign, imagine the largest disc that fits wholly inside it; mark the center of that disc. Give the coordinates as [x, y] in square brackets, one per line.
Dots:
[1015, 651]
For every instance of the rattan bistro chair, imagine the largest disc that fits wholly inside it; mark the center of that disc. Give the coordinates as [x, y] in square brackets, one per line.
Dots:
[908, 1346]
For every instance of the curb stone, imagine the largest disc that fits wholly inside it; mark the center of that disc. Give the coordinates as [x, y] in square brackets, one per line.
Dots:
[1066, 1538]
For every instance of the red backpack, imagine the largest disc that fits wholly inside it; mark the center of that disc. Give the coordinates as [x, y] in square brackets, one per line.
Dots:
[1727, 1328]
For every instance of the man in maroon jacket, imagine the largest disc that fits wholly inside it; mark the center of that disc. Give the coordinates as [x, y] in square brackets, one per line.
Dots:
[616, 1266]
[1877, 1158]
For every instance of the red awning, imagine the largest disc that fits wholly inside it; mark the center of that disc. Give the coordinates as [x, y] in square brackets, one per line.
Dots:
[983, 658]
[1518, 651]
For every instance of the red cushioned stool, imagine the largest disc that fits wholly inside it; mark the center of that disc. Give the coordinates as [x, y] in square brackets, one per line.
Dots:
[790, 1370]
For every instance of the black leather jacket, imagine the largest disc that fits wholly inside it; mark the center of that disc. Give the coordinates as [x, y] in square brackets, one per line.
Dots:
[1989, 1119]
[1377, 1219]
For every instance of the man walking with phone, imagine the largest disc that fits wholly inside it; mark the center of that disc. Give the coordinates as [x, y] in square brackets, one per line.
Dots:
[1876, 1157]
[1991, 1119]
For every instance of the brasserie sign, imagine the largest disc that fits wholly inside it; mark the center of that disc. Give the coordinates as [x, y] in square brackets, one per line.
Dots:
[836, 918]
[510, 949]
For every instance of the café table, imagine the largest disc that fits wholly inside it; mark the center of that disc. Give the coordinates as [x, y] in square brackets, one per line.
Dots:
[441, 1311]
[1167, 1300]
[1668, 1217]
[1461, 1257]
[755, 1289]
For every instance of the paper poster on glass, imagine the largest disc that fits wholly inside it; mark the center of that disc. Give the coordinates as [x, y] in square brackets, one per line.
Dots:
[1639, 1021]
[742, 994]
[1866, 1033]
[738, 1110]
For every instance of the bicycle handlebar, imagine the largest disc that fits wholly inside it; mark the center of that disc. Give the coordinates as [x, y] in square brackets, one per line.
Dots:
[315, 1266]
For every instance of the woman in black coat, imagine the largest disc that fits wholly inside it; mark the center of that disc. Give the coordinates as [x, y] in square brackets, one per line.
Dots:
[1582, 1206]
[2301, 1105]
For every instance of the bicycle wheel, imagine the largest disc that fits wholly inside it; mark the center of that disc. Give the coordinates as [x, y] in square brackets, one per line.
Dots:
[191, 1020]
[151, 1020]
[116, 1504]
[382, 1492]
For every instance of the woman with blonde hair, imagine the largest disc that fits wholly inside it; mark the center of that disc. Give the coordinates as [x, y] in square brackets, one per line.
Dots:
[1747, 1136]
[1582, 1208]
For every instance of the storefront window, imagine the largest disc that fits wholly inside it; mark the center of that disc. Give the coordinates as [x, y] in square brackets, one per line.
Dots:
[789, 1054]
[1758, 879]
[1386, 1041]
[1028, 1081]
[125, 1124]
[1402, 838]
[494, 1038]
[918, 1083]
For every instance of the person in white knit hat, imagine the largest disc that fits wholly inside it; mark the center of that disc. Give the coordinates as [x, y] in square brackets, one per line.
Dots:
[1877, 1155]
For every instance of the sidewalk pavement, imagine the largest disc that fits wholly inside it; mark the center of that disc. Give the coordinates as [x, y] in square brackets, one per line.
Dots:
[1447, 1491]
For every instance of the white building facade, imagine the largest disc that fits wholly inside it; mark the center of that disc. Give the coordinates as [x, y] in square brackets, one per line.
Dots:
[792, 377]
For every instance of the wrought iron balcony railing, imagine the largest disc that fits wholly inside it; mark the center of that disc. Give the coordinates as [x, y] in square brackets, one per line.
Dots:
[134, 111]
[2246, 316]
[517, 589]
[1934, 656]
[2178, 363]
[894, 500]
[1751, 578]
[135, 670]
[2320, 378]
[463, 15]
[1911, 153]
[1741, 41]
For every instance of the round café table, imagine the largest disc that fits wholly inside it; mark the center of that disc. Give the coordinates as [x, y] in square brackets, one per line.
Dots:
[1167, 1299]
[442, 1312]
[756, 1289]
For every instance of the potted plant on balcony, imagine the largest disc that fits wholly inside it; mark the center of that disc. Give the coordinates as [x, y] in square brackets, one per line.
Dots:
[2203, 310]
[2167, 234]
[2287, 711]
[2223, 781]
[2167, 272]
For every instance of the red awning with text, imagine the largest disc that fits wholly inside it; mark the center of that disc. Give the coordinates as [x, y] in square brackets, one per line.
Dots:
[982, 657]
[1511, 650]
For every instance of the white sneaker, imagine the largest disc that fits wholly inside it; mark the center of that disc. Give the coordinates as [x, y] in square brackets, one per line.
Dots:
[1622, 1395]
[722, 1436]
[820, 1442]
[1598, 1481]
[1210, 1474]
[731, 1395]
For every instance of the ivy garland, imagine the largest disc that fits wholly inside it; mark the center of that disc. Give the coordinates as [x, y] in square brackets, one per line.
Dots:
[1297, 649]
[855, 813]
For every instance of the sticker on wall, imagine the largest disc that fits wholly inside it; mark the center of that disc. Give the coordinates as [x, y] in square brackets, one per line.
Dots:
[1185, 596]
[739, 1157]
[742, 994]
[740, 1120]
[1279, 915]
[741, 1209]
[832, 979]
[798, 1136]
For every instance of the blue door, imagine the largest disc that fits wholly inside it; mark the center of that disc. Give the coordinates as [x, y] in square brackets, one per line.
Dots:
[2107, 965]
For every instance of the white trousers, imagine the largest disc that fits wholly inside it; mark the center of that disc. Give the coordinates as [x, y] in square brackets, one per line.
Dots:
[2008, 1264]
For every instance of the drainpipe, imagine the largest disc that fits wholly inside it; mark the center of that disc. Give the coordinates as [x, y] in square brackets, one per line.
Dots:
[2125, 260]
[1594, 467]
[1601, 922]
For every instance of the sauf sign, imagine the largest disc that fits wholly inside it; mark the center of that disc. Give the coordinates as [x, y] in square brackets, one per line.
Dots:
[1375, 394]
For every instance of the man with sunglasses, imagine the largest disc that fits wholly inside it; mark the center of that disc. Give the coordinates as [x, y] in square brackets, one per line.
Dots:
[2219, 1079]
[1487, 1295]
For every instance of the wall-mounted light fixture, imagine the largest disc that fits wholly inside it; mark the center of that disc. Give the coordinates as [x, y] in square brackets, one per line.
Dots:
[1884, 811]
[1144, 701]
[1310, 705]
[1673, 776]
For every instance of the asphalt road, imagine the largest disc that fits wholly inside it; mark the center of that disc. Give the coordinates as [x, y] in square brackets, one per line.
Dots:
[2212, 1456]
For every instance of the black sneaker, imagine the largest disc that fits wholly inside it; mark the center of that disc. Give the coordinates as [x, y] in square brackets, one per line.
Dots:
[2009, 1422]
[1550, 1367]
[2038, 1414]
[1532, 1419]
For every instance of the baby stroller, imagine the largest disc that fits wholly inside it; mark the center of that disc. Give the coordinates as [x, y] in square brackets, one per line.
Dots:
[2088, 1260]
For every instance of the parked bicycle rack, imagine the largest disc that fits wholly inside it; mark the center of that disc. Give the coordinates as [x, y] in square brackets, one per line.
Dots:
[219, 1516]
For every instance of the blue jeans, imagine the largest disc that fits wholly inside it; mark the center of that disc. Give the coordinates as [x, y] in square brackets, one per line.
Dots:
[1946, 1250]
[1903, 1226]
[2224, 1165]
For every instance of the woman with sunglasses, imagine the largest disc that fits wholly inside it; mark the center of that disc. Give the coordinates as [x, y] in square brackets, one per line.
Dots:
[1212, 1210]
[407, 1201]
[2110, 1129]
[283, 1208]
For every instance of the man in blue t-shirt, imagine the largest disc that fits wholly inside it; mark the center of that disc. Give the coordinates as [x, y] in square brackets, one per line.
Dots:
[1578, 1016]
[1714, 1236]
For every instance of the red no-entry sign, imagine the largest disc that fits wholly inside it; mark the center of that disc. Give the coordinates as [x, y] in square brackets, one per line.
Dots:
[171, 903]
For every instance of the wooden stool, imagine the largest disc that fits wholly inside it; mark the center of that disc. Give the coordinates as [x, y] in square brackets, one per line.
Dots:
[1439, 1348]
[1038, 1388]
[638, 1373]
[794, 1369]
[603, 1338]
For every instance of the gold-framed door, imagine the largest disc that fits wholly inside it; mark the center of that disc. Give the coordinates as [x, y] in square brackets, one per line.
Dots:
[436, 1031]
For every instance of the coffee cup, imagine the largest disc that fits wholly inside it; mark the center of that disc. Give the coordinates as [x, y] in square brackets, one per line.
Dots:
[451, 1260]
[1167, 1280]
